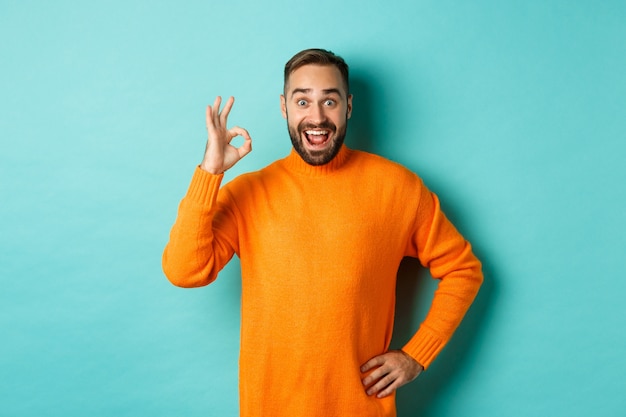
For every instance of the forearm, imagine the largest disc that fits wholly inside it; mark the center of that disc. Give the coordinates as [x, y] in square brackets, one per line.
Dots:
[449, 257]
[452, 299]
[193, 256]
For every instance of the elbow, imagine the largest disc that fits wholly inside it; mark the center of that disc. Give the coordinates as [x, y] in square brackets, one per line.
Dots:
[478, 273]
[186, 280]
[177, 279]
[183, 277]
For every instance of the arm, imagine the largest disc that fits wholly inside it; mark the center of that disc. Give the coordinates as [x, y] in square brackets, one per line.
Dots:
[442, 249]
[199, 247]
[449, 257]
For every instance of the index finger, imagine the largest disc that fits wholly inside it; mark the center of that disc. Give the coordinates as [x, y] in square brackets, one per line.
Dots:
[373, 363]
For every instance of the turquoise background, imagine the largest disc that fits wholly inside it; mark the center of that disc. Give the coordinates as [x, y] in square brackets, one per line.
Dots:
[513, 112]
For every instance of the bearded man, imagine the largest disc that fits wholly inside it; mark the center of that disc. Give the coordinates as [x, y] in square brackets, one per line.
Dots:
[320, 235]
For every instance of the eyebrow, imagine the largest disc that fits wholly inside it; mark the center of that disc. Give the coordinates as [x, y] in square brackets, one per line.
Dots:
[308, 90]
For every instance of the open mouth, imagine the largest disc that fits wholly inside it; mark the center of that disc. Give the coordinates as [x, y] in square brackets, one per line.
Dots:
[317, 138]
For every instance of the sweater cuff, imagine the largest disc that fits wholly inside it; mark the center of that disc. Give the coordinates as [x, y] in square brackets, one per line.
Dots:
[424, 346]
[204, 187]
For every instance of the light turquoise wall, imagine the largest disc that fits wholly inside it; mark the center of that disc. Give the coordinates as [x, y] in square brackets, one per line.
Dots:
[513, 112]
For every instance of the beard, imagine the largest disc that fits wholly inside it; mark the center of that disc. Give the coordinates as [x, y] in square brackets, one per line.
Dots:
[321, 157]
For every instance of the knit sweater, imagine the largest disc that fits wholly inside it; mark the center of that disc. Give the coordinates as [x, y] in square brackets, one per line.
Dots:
[319, 248]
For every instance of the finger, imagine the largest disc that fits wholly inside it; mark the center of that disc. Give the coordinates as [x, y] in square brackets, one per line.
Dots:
[216, 110]
[226, 110]
[381, 385]
[373, 363]
[211, 111]
[238, 131]
[389, 389]
[210, 126]
[375, 376]
[208, 116]
[246, 148]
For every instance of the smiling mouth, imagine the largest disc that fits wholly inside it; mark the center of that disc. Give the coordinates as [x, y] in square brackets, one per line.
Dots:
[317, 137]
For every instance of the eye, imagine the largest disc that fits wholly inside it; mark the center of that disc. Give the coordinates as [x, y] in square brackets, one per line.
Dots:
[329, 102]
[301, 102]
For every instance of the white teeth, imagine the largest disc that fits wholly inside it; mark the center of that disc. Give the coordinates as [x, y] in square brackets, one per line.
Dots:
[316, 132]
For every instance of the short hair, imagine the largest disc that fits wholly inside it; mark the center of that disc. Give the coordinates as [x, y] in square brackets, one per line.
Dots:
[316, 56]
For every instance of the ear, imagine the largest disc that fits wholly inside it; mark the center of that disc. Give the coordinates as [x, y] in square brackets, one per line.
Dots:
[349, 106]
[283, 106]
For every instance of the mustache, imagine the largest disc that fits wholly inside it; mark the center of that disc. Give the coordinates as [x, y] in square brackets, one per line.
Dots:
[323, 125]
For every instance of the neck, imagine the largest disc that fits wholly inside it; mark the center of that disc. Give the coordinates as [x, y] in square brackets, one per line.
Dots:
[295, 163]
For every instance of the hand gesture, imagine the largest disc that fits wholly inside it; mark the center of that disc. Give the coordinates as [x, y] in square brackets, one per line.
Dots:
[392, 370]
[220, 155]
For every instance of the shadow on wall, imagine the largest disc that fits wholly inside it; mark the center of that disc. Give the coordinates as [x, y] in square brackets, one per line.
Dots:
[362, 127]
[415, 287]
[414, 293]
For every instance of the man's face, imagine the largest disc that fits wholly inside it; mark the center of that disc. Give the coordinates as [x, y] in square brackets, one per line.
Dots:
[317, 108]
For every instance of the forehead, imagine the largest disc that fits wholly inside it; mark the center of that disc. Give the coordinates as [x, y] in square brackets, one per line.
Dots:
[315, 77]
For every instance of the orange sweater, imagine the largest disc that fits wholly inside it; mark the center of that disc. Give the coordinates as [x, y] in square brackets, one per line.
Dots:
[320, 249]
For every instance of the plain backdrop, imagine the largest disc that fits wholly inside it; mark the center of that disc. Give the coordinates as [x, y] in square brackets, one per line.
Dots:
[513, 112]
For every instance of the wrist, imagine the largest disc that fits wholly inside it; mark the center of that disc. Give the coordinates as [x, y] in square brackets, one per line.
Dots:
[211, 169]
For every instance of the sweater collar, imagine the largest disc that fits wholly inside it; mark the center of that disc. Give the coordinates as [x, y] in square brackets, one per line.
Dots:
[295, 163]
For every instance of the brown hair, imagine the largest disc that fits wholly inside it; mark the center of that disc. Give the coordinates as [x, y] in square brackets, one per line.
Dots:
[317, 57]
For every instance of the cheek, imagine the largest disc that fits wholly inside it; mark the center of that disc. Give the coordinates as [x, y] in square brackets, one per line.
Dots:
[293, 123]
[340, 117]
[295, 116]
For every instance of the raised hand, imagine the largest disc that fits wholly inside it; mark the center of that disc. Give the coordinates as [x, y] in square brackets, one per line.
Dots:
[390, 371]
[220, 155]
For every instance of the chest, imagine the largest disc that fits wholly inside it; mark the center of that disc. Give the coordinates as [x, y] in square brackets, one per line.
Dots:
[322, 221]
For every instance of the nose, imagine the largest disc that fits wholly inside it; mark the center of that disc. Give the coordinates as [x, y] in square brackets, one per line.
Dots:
[317, 114]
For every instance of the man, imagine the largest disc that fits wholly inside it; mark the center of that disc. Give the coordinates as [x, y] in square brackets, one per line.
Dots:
[320, 235]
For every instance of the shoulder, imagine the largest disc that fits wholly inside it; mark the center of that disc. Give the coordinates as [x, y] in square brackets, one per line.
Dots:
[374, 160]
[248, 182]
[376, 165]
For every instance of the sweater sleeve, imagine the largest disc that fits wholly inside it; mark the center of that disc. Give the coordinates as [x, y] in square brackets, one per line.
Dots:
[197, 250]
[442, 249]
